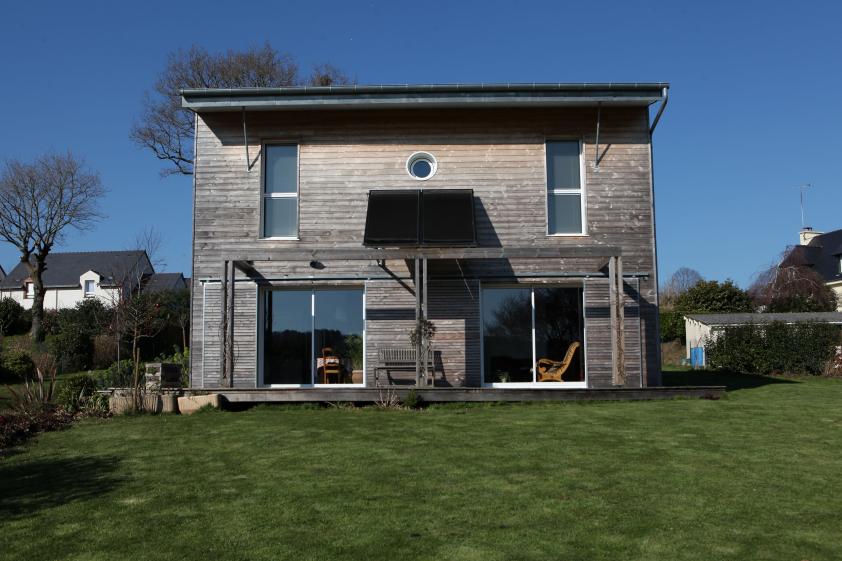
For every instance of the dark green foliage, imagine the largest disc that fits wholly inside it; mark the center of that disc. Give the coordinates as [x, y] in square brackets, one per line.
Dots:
[799, 348]
[75, 391]
[72, 331]
[412, 400]
[118, 375]
[714, 297]
[12, 317]
[15, 366]
[804, 303]
[672, 326]
[183, 360]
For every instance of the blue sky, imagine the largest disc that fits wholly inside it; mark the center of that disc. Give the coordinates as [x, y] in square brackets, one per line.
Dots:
[754, 106]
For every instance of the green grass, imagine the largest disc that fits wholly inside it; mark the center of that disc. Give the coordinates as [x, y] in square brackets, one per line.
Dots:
[755, 476]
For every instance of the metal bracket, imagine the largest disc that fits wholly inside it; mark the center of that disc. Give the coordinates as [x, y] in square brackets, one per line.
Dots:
[246, 141]
[596, 147]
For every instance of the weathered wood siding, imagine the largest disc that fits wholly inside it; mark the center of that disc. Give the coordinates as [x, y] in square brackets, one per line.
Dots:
[497, 153]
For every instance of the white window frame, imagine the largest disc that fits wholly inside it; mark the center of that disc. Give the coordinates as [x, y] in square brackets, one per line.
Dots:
[296, 195]
[580, 191]
[92, 292]
[261, 310]
[27, 293]
[534, 384]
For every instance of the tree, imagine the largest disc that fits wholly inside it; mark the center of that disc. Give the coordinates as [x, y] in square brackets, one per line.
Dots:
[175, 305]
[39, 200]
[680, 282]
[166, 128]
[150, 241]
[714, 297]
[792, 288]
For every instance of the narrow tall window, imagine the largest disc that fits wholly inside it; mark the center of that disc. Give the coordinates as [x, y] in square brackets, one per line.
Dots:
[90, 287]
[564, 187]
[30, 290]
[280, 191]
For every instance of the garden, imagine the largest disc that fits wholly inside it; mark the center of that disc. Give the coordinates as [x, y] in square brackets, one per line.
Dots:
[751, 476]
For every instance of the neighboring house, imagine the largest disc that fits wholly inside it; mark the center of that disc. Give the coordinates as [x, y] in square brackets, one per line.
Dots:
[701, 328]
[821, 252]
[71, 277]
[518, 219]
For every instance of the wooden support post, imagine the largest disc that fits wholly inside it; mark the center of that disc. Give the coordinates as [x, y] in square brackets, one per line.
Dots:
[424, 310]
[417, 321]
[616, 301]
[223, 323]
[229, 359]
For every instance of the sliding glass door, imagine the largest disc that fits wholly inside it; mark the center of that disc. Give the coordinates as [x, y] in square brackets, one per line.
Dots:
[533, 335]
[313, 336]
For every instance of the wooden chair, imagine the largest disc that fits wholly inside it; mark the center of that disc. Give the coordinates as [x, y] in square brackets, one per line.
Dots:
[551, 370]
[331, 366]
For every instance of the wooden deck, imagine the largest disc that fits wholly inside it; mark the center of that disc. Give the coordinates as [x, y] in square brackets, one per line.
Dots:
[439, 395]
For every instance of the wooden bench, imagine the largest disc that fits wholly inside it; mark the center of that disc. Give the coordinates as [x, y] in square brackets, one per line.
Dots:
[402, 360]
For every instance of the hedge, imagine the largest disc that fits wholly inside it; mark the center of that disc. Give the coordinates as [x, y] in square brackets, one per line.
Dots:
[777, 347]
[672, 326]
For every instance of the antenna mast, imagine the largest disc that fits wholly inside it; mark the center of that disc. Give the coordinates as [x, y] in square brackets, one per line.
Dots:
[803, 188]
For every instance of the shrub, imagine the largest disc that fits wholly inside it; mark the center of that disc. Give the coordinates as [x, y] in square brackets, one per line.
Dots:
[72, 332]
[118, 375]
[777, 347]
[672, 326]
[16, 366]
[12, 316]
[75, 391]
[412, 400]
[72, 348]
[714, 297]
[17, 427]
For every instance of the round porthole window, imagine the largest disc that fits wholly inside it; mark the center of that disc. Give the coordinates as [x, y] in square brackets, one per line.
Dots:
[421, 166]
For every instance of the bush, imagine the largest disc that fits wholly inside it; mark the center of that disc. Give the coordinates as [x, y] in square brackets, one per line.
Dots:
[72, 332]
[17, 427]
[72, 348]
[412, 400]
[118, 375]
[672, 326]
[777, 347]
[16, 366]
[12, 317]
[75, 391]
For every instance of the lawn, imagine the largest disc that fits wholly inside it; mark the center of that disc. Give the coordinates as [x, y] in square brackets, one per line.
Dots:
[754, 476]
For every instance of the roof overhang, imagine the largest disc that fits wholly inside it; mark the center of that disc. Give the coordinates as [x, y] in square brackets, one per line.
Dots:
[438, 96]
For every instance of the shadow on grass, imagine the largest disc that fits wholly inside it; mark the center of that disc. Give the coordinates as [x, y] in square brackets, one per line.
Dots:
[29, 487]
[731, 380]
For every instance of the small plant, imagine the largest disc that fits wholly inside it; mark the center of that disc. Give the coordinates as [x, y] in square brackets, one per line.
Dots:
[387, 399]
[16, 366]
[74, 392]
[413, 399]
[36, 395]
[426, 330]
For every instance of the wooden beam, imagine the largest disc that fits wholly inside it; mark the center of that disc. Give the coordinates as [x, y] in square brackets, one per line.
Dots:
[229, 349]
[417, 321]
[621, 323]
[612, 305]
[223, 323]
[373, 254]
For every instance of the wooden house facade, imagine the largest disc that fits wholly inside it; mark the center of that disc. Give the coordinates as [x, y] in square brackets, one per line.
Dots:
[494, 236]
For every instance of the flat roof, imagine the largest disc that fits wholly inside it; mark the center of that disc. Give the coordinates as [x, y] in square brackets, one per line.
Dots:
[423, 96]
[745, 318]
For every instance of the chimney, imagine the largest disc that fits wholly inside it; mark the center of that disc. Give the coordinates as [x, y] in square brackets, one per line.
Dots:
[806, 234]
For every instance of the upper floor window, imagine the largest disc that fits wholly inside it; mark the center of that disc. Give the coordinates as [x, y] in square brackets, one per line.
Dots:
[90, 287]
[280, 191]
[565, 200]
[30, 290]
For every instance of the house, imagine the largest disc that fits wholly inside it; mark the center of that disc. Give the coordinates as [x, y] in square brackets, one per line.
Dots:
[821, 252]
[70, 277]
[701, 328]
[331, 222]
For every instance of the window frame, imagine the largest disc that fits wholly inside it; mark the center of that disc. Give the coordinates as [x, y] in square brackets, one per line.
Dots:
[264, 195]
[581, 191]
[85, 288]
[27, 295]
[534, 384]
[312, 290]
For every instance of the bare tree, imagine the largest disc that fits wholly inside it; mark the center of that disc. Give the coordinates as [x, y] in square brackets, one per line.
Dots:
[39, 200]
[680, 282]
[149, 240]
[792, 287]
[166, 128]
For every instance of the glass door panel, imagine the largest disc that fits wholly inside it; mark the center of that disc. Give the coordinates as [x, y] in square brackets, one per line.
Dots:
[288, 337]
[558, 325]
[507, 333]
[339, 336]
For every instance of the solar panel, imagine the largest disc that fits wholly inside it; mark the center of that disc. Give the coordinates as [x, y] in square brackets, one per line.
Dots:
[392, 218]
[447, 217]
[413, 217]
